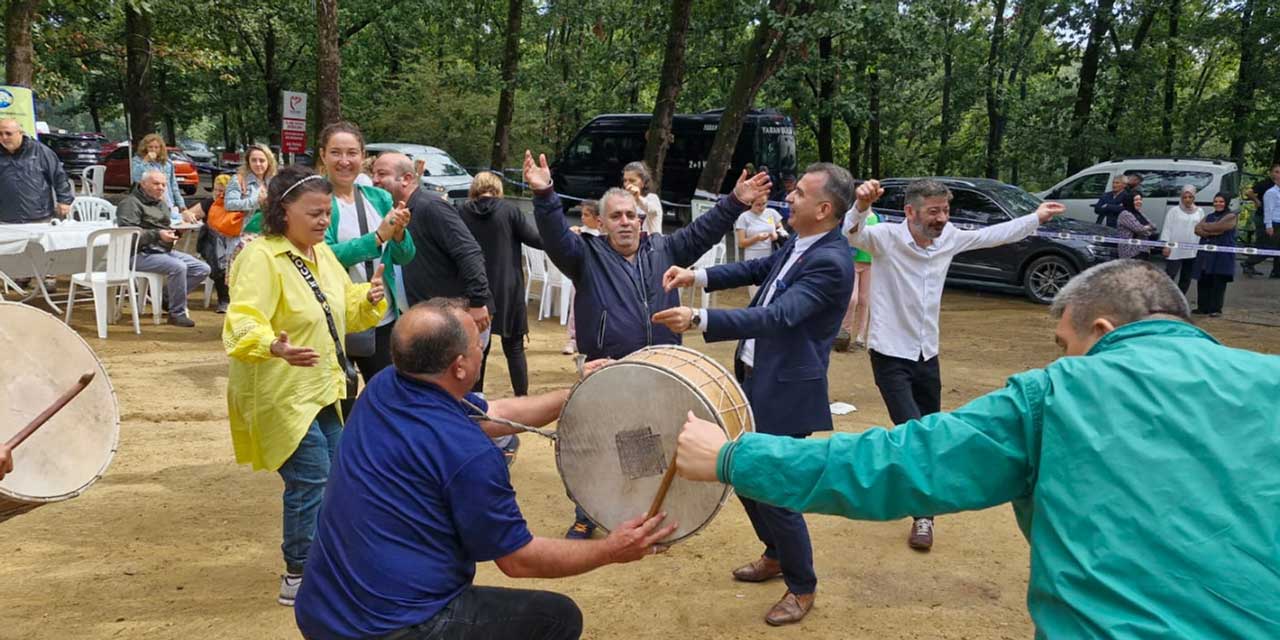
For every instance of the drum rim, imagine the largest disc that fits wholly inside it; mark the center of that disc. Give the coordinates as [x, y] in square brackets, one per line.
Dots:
[727, 492]
[13, 496]
[750, 427]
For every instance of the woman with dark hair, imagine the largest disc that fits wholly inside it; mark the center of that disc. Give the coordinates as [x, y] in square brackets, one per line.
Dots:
[637, 180]
[1214, 269]
[290, 298]
[500, 229]
[1132, 224]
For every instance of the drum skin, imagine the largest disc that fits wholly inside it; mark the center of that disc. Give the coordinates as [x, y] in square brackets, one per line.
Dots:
[618, 430]
[43, 359]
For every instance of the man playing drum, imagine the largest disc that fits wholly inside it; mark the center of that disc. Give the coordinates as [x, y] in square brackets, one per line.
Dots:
[419, 494]
[617, 278]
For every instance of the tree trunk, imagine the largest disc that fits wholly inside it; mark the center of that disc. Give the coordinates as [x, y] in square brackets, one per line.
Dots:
[658, 138]
[826, 92]
[137, 96]
[271, 81]
[328, 64]
[1078, 148]
[507, 99]
[226, 133]
[19, 52]
[873, 126]
[166, 112]
[761, 57]
[994, 90]
[1126, 62]
[95, 111]
[948, 58]
[1170, 75]
[855, 144]
[1015, 167]
[1242, 104]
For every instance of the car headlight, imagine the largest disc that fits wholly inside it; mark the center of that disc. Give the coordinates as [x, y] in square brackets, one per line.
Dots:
[439, 189]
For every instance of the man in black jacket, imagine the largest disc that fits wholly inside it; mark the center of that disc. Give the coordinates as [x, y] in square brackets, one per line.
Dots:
[29, 173]
[145, 208]
[449, 263]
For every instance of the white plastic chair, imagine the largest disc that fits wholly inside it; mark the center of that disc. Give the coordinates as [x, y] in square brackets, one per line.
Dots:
[121, 246]
[152, 290]
[91, 181]
[716, 255]
[92, 209]
[557, 289]
[208, 291]
[535, 265]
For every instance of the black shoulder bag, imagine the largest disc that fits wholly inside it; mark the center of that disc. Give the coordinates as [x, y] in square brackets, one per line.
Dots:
[364, 343]
[347, 367]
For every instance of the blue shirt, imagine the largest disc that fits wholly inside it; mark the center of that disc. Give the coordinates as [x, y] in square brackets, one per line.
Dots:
[417, 496]
[1271, 205]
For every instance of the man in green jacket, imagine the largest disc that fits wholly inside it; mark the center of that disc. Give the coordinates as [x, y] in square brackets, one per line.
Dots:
[1141, 468]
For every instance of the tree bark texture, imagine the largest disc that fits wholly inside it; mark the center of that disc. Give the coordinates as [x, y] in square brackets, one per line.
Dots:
[826, 93]
[1078, 156]
[507, 98]
[994, 88]
[271, 82]
[1246, 82]
[1126, 61]
[138, 98]
[1170, 75]
[659, 137]
[19, 52]
[328, 64]
[873, 127]
[948, 60]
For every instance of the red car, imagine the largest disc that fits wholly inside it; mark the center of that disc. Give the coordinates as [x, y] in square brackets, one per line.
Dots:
[118, 160]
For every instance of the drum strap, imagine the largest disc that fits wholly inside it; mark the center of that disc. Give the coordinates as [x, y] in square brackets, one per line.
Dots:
[480, 416]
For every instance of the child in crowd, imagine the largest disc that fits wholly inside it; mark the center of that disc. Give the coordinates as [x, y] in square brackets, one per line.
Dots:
[590, 226]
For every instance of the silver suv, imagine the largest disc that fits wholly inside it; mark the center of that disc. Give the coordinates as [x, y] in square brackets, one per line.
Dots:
[441, 175]
[1162, 182]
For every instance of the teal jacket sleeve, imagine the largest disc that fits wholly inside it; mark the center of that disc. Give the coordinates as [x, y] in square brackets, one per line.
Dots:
[978, 456]
[357, 250]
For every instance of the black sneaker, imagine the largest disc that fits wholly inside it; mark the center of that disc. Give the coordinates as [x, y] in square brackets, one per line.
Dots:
[181, 321]
[581, 530]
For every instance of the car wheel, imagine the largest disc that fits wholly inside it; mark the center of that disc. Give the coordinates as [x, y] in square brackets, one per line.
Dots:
[1046, 276]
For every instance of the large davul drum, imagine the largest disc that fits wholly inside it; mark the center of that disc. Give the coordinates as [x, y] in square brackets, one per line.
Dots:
[617, 434]
[42, 358]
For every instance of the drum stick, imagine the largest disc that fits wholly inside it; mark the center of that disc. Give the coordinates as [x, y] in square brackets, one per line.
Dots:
[662, 489]
[44, 416]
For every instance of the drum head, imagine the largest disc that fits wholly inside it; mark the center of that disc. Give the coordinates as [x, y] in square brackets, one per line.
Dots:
[43, 358]
[617, 434]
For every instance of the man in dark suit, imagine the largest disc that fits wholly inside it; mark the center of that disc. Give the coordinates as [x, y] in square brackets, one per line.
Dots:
[785, 344]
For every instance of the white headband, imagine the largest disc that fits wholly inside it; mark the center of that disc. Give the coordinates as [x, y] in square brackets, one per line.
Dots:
[295, 185]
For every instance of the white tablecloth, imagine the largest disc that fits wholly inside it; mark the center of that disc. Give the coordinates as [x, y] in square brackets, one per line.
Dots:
[13, 243]
[64, 236]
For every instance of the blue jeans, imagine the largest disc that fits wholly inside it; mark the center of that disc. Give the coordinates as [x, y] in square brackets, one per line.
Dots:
[493, 613]
[305, 474]
[184, 273]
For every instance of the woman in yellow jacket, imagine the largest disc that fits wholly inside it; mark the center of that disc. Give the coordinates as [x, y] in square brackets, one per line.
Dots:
[286, 378]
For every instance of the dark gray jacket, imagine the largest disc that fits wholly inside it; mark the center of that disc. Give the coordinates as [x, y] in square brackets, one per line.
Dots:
[28, 179]
[500, 229]
[150, 214]
[448, 262]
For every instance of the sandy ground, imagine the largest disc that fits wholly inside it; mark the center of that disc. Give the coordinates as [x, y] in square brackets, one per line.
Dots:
[177, 541]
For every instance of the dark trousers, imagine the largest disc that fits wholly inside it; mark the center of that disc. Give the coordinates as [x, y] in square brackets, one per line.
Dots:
[1265, 241]
[783, 532]
[513, 349]
[1211, 290]
[911, 389]
[1180, 272]
[369, 366]
[493, 613]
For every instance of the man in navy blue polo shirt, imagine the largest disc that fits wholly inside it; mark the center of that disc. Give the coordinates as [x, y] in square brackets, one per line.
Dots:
[419, 494]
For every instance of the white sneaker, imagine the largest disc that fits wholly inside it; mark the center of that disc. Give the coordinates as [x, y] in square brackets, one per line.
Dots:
[570, 348]
[289, 584]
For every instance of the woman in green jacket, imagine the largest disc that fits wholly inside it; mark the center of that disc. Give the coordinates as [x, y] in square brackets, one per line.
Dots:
[358, 243]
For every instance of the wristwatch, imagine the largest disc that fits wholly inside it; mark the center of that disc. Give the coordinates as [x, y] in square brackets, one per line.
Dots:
[696, 320]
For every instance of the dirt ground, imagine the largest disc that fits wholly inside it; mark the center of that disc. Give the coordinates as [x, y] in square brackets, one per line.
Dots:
[177, 541]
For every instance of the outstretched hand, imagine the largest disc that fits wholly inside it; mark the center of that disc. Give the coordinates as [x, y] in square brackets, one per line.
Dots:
[1048, 210]
[677, 319]
[537, 175]
[296, 356]
[751, 188]
[677, 278]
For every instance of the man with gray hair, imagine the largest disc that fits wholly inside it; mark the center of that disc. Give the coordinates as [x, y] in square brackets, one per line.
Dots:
[1136, 466]
[909, 266]
[32, 179]
[145, 208]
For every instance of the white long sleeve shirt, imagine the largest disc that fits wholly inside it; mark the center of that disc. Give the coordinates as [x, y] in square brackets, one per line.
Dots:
[1180, 227]
[907, 279]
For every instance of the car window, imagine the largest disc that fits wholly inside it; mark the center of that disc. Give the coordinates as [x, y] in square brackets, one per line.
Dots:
[1015, 200]
[1085, 187]
[1168, 184]
[893, 201]
[972, 207]
[439, 164]
[121, 153]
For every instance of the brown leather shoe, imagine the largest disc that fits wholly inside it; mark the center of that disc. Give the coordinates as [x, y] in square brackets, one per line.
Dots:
[921, 538]
[790, 609]
[758, 570]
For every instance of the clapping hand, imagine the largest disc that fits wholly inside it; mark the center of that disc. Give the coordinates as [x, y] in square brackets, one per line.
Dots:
[677, 278]
[538, 175]
[296, 356]
[400, 217]
[750, 189]
[376, 291]
[1047, 210]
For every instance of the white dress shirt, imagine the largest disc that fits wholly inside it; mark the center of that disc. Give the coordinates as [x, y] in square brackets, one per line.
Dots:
[1180, 227]
[748, 354]
[906, 287]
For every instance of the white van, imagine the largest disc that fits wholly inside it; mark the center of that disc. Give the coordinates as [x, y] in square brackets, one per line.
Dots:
[1162, 182]
[441, 174]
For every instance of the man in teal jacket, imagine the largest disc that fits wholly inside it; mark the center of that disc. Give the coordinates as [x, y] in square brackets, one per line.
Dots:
[1141, 468]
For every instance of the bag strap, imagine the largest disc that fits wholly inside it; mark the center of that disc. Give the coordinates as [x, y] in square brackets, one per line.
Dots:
[324, 304]
[364, 231]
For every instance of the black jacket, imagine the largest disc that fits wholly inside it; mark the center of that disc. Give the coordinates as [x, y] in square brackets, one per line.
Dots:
[448, 262]
[26, 179]
[500, 228]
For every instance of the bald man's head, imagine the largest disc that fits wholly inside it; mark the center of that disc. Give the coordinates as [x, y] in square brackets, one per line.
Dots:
[430, 337]
[10, 134]
[394, 172]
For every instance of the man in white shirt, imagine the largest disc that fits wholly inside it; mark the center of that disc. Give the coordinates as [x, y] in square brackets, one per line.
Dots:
[910, 262]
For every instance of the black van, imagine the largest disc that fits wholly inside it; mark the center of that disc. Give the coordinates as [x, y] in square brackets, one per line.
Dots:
[594, 159]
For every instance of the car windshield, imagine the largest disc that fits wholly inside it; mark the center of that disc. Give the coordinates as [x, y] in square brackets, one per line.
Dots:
[198, 147]
[1017, 201]
[440, 164]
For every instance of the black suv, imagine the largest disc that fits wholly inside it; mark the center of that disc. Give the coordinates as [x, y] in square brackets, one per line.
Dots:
[1037, 266]
[76, 150]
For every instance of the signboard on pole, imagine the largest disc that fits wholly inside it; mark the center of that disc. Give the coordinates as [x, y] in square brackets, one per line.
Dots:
[293, 126]
[20, 104]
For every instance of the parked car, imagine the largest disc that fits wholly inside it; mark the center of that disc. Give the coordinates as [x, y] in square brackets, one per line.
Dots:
[306, 158]
[1036, 266]
[118, 159]
[198, 152]
[442, 174]
[77, 151]
[1162, 182]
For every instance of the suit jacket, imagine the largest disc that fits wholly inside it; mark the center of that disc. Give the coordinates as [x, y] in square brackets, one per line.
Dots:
[794, 333]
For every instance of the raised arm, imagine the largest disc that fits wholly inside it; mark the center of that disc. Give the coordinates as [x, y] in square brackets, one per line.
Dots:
[688, 244]
[565, 248]
[1007, 232]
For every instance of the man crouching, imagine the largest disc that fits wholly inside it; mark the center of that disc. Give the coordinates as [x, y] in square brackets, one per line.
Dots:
[419, 494]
